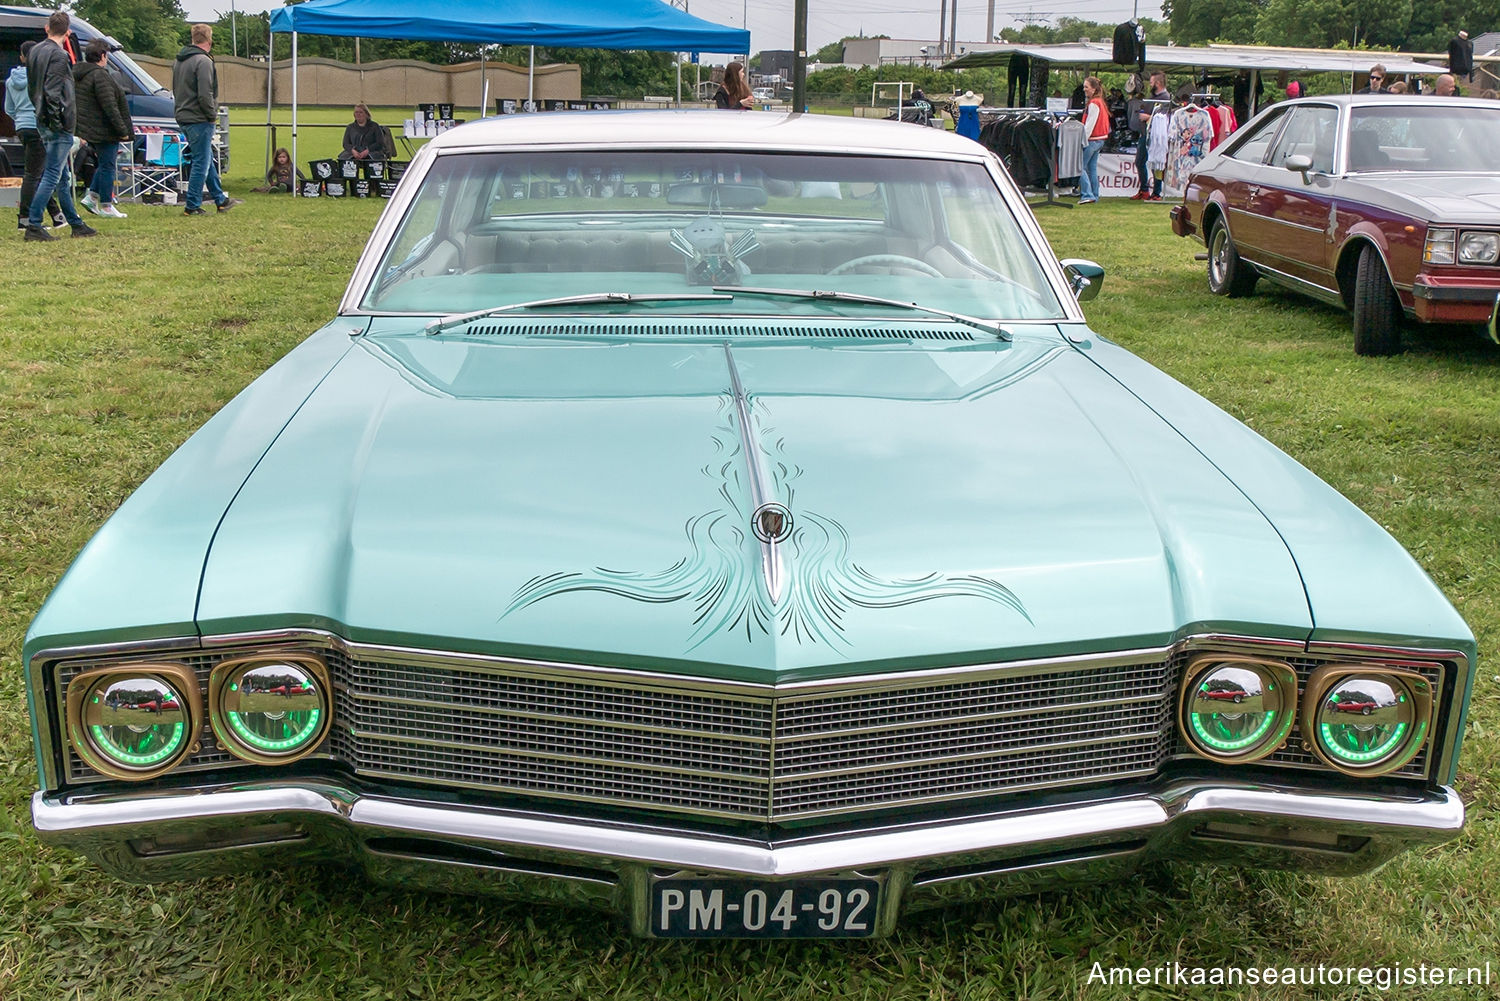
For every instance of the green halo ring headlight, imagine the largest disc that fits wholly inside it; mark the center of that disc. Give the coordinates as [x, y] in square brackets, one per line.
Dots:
[134, 722]
[270, 708]
[1237, 709]
[1366, 720]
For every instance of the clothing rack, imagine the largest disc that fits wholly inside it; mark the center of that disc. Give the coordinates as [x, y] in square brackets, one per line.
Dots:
[1053, 118]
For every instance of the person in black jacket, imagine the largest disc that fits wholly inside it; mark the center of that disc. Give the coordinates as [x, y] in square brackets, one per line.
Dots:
[1461, 55]
[49, 80]
[104, 123]
[363, 138]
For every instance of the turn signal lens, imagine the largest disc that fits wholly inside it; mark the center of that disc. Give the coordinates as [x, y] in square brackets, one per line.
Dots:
[270, 709]
[1237, 709]
[1439, 246]
[1366, 721]
[134, 724]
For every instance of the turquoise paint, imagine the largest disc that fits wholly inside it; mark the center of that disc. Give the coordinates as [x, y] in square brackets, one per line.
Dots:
[430, 479]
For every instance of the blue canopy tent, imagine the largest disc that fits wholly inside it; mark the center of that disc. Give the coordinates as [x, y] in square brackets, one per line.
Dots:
[587, 24]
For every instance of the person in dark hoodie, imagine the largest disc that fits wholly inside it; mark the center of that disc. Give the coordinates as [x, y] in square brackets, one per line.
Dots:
[49, 81]
[104, 123]
[18, 107]
[195, 90]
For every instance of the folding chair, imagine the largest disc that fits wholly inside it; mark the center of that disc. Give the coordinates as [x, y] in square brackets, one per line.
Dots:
[159, 170]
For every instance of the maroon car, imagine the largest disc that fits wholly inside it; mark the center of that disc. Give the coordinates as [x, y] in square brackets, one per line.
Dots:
[1386, 205]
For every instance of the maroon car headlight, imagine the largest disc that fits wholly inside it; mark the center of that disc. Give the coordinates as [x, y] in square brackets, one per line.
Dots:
[1366, 720]
[135, 722]
[1237, 709]
[270, 708]
[1479, 248]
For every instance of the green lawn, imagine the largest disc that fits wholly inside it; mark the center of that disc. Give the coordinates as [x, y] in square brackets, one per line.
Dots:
[112, 351]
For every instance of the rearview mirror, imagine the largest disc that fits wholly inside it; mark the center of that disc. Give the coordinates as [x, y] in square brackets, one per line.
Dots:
[1085, 278]
[1301, 163]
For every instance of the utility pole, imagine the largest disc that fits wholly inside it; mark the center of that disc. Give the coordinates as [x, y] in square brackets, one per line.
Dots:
[989, 23]
[953, 31]
[799, 56]
[234, 34]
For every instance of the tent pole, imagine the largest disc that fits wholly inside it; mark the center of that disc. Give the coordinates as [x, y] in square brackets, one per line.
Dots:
[270, 67]
[531, 80]
[484, 84]
[679, 79]
[296, 188]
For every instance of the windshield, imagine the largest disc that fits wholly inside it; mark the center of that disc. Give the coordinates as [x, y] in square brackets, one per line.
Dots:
[491, 229]
[1429, 137]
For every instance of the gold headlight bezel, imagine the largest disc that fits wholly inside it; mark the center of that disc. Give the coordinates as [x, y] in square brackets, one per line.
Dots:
[180, 677]
[231, 741]
[1278, 672]
[1322, 681]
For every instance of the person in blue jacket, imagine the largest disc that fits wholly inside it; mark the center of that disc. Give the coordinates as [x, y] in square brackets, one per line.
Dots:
[19, 107]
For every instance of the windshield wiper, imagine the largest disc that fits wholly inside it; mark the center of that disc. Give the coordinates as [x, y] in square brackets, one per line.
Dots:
[459, 319]
[797, 293]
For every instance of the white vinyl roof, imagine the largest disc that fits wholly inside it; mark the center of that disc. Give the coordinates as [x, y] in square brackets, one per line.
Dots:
[1221, 57]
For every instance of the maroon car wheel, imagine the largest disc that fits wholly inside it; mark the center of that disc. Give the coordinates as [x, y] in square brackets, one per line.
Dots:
[1377, 311]
[1227, 273]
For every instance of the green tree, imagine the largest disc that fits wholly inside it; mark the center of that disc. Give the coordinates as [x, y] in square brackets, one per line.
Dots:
[151, 27]
[1194, 22]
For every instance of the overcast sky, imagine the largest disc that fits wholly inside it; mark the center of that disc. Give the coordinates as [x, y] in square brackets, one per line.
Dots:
[770, 21]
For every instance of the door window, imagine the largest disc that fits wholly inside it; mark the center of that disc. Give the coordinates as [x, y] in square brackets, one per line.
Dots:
[1310, 131]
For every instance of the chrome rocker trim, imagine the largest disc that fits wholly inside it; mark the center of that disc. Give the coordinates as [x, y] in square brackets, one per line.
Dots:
[212, 830]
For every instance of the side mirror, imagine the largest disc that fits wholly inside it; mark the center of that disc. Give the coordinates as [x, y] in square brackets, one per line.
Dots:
[1301, 164]
[1085, 278]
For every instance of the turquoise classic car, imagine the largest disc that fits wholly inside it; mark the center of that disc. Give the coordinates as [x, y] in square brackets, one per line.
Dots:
[730, 522]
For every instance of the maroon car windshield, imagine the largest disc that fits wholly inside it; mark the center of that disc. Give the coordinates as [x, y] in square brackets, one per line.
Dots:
[1428, 137]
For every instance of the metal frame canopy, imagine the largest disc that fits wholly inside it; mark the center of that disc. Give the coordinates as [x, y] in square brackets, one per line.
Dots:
[584, 24]
[1219, 57]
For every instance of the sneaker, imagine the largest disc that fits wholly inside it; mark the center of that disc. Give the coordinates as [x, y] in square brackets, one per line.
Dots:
[190, 211]
[1153, 198]
[58, 222]
[1087, 201]
[84, 229]
[38, 233]
[229, 203]
[110, 212]
[1139, 195]
[90, 201]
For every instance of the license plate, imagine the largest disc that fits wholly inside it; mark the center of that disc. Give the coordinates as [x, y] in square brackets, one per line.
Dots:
[750, 908]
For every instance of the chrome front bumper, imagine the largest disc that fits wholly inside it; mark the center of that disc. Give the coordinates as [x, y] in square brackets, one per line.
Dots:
[217, 829]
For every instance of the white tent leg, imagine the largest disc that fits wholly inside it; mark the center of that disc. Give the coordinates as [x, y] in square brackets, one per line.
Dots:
[296, 188]
[484, 83]
[270, 65]
[531, 79]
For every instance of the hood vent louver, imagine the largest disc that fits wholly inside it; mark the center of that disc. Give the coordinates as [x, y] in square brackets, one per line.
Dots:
[721, 331]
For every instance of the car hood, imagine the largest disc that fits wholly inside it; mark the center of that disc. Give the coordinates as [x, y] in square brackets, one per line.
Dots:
[1460, 198]
[591, 501]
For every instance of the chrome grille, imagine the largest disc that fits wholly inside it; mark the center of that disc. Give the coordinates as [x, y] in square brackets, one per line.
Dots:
[743, 752]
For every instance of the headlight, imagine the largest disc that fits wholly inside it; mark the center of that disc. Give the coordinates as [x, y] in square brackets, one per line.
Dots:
[134, 723]
[269, 709]
[1439, 246]
[1479, 248]
[1366, 721]
[1237, 709]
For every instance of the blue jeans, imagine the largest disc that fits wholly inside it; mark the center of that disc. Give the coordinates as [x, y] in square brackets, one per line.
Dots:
[56, 179]
[103, 183]
[200, 140]
[1088, 180]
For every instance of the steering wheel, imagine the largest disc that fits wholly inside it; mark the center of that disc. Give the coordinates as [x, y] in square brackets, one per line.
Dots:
[889, 260]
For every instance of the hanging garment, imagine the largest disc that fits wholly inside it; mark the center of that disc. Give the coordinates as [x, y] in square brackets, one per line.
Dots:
[1156, 152]
[1190, 137]
[1037, 96]
[968, 121]
[1017, 73]
[1125, 51]
[1069, 149]
[1460, 56]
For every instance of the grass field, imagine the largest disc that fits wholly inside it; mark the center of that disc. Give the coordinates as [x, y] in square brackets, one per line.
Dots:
[112, 351]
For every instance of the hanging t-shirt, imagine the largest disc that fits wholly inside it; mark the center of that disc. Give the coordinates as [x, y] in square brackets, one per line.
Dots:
[1069, 149]
[1188, 142]
[1156, 148]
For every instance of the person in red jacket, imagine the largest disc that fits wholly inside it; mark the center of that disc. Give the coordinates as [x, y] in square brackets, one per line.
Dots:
[1095, 130]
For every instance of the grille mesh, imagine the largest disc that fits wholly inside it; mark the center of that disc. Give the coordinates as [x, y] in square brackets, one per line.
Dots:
[603, 739]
